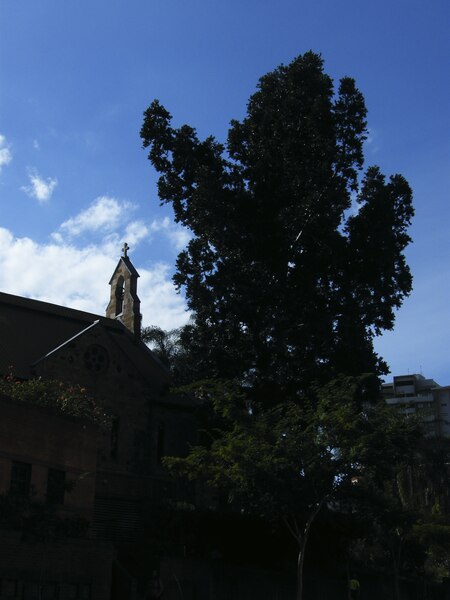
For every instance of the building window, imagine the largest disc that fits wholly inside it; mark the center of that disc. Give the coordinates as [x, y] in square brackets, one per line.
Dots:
[96, 358]
[115, 425]
[56, 486]
[120, 292]
[20, 479]
[139, 444]
[160, 443]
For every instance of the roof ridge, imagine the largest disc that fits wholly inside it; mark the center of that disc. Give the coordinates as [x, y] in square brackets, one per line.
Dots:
[49, 307]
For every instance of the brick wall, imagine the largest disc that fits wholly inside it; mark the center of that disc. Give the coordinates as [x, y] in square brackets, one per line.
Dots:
[44, 440]
[70, 565]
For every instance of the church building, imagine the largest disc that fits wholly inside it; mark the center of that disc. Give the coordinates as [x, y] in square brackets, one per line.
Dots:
[108, 475]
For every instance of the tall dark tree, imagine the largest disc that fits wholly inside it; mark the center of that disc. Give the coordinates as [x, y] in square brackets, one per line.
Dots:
[286, 283]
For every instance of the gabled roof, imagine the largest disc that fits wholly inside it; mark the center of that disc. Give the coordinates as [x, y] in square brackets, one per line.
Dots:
[67, 342]
[30, 330]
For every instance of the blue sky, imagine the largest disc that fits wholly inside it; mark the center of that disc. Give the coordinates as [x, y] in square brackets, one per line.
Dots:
[76, 76]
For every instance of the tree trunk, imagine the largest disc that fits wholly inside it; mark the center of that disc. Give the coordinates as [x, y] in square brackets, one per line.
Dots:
[302, 539]
[396, 583]
[300, 561]
[349, 593]
[396, 562]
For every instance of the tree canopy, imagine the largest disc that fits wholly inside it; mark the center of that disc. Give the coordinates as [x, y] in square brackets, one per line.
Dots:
[285, 464]
[296, 260]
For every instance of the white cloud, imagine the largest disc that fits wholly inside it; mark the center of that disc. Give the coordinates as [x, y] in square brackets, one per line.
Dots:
[5, 152]
[372, 141]
[160, 224]
[160, 304]
[36, 145]
[104, 215]
[40, 188]
[108, 221]
[78, 277]
[135, 232]
[177, 235]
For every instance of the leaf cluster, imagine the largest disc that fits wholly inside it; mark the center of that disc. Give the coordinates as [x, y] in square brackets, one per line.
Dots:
[284, 460]
[63, 398]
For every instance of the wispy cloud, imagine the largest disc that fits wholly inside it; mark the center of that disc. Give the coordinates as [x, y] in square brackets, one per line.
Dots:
[39, 188]
[108, 221]
[5, 152]
[103, 215]
[135, 232]
[177, 235]
[372, 141]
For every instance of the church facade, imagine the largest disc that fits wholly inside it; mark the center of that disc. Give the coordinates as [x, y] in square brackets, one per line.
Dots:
[117, 469]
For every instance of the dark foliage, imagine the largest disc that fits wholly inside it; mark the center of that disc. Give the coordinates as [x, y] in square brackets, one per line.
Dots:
[65, 399]
[287, 281]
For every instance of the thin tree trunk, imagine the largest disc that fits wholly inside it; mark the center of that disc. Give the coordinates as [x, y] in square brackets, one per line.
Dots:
[396, 583]
[302, 539]
[300, 563]
[349, 594]
[396, 560]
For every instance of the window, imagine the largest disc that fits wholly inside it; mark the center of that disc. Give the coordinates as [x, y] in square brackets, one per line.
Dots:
[120, 292]
[160, 443]
[114, 448]
[139, 446]
[96, 358]
[56, 486]
[20, 479]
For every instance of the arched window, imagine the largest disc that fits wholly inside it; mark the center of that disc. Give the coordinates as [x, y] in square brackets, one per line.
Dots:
[120, 291]
[114, 445]
[160, 442]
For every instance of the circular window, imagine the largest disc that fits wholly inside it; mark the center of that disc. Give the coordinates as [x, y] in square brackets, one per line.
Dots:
[96, 358]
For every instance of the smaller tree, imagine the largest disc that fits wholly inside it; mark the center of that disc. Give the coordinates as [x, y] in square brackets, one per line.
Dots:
[404, 504]
[172, 349]
[285, 463]
[165, 344]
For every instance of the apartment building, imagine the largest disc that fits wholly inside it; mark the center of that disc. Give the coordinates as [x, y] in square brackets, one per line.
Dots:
[416, 394]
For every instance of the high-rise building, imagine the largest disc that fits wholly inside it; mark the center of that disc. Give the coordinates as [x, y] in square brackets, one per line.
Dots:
[415, 394]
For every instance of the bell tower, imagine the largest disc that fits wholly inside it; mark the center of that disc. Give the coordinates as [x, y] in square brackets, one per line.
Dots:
[124, 303]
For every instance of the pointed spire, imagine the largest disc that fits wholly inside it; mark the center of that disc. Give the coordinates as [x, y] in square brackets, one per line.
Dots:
[124, 303]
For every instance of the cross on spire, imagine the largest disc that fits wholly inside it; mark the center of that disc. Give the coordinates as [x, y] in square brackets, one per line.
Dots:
[125, 249]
